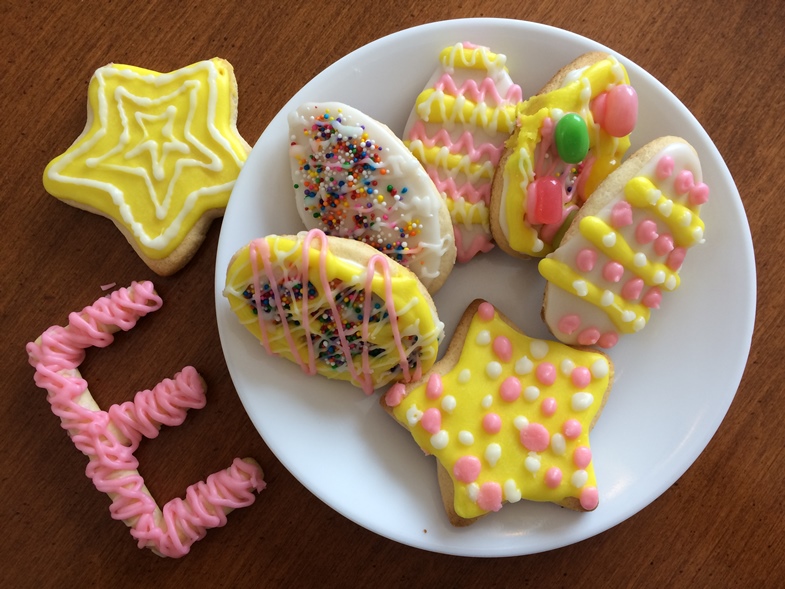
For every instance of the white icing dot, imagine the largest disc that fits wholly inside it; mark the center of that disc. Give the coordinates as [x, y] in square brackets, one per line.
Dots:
[567, 366]
[697, 234]
[473, 490]
[520, 422]
[581, 401]
[413, 415]
[639, 323]
[628, 316]
[449, 403]
[493, 369]
[487, 401]
[558, 444]
[538, 245]
[511, 491]
[579, 478]
[440, 439]
[538, 349]
[607, 299]
[686, 219]
[580, 287]
[665, 208]
[653, 196]
[483, 338]
[492, 453]
[464, 376]
[659, 277]
[600, 368]
[532, 462]
[609, 239]
[531, 393]
[670, 284]
[639, 260]
[523, 366]
[466, 437]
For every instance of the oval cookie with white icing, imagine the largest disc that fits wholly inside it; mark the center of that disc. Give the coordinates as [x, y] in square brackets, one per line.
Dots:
[568, 138]
[354, 178]
[335, 307]
[624, 250]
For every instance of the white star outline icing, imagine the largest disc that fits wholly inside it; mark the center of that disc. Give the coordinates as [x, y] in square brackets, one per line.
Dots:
[168, 146]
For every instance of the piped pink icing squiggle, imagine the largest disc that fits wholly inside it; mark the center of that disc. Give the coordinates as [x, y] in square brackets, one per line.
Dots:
[464, 144]
[478, 92]
[109, 438]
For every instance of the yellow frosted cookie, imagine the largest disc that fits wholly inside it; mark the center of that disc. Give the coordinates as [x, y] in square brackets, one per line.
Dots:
[507, 417]
[568, 138]
[336, 307]
[159, 156]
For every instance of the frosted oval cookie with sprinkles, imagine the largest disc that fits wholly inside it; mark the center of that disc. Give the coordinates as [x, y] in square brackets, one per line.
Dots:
[335, 307]
[507, 417]
[624, 250]
[457, 129]
[159, 156]
[568, 138]
[354, 178]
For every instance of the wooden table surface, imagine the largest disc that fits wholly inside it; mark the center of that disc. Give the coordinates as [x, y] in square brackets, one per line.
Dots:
[721, 524]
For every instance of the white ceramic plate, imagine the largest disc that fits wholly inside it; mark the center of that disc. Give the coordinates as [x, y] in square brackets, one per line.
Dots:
[674, 381]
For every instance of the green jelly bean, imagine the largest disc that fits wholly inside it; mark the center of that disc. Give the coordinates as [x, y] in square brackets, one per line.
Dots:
[572, 138]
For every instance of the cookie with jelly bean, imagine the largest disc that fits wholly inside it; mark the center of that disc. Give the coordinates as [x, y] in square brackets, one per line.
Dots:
[624, 251]
[567, 139]
[507, 417]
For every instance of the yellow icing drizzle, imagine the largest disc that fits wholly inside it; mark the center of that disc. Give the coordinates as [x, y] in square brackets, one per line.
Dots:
[467, 213]
[472, 390]
[479, 58]
[607, 151]
[454, 162]
[414, 315]
[434, 106]
[159, 152]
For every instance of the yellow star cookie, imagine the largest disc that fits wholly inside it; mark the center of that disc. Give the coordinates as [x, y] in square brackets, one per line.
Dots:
[507, 417]
[159, 156]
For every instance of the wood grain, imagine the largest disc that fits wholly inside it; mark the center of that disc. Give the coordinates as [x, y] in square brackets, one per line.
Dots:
[719, 525]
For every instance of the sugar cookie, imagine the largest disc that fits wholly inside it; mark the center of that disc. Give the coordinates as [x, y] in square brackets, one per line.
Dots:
[336, 307]
[354, 178]
[159, 156]
[624, 250]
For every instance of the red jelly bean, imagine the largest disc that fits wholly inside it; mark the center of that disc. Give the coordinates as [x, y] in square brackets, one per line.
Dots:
[544, 201]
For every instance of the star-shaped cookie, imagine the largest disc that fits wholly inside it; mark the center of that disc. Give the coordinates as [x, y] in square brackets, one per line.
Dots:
[507, 417]
[159, 156]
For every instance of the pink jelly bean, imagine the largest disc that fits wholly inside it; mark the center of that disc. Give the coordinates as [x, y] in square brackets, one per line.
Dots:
[621, 111]
[544, 201]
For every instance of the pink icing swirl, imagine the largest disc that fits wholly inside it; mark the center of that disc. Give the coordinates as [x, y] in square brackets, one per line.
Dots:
[109, 438]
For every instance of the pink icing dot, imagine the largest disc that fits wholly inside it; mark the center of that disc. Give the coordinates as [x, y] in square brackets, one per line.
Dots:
[652, 298]
[571, 429]
[586, 259]
[580, 376]
[502, 348]
[589, 336]
[676, 258]
[608, 339]
[490, 497]
[632, 289]
[395, 395]
[613, 271]
[664, 167]
[699, 194]
[569, 323]
[684, 181]
[491, 423]
[510, 389]
[546, 373]
[535, 437]
[646, 231]
[486, 311]
[590, 498]
[621, 214]
[467, 469]
[433, 390]
[431, 420]
[581, 456]
[553, 477]
[663, 244]
[548, 406]
[621, 111]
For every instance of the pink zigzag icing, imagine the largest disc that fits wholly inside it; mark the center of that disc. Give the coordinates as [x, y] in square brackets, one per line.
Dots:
[464, 144]
[476, 92]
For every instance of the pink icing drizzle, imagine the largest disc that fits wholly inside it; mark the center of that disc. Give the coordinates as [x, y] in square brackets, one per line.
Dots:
[109, 438]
